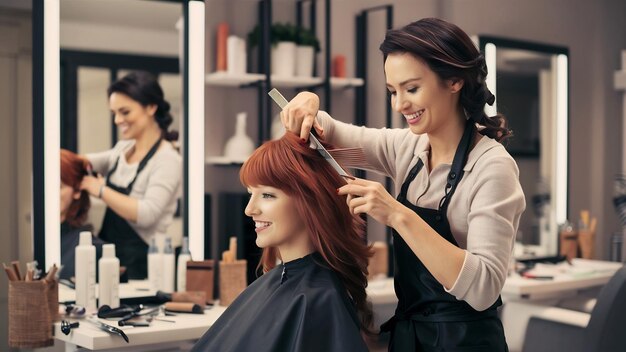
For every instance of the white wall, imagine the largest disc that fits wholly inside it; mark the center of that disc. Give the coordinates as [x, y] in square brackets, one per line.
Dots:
[15, 146]
[118, 39]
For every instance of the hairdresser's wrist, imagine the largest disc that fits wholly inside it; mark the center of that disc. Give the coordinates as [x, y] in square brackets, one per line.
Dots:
[101, 191]
[400, 218]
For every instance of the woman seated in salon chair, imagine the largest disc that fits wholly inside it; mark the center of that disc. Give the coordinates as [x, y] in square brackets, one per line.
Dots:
[314, 299]
[75, 206]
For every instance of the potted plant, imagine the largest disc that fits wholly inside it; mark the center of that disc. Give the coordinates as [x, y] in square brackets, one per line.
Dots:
[283, 41]
[307, 46]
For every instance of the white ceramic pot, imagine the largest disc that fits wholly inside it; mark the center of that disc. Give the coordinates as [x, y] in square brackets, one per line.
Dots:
[305, 55]
[284, 59]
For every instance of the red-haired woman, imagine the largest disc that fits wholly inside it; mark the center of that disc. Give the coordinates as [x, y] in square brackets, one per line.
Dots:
[459, 197]
[74, 209]
[315, 299]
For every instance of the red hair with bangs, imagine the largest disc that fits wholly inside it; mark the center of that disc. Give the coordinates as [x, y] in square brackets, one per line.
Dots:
[73, 168]
[336, 234]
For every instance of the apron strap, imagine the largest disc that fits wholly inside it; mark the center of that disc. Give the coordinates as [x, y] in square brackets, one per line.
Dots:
[412, 174]
[458, 163]
[142, 165]
[456, 171]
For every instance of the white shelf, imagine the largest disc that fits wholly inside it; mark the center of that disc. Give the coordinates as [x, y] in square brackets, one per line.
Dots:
[224, 79]
[295, 82]
[337, 82]
[222, 161]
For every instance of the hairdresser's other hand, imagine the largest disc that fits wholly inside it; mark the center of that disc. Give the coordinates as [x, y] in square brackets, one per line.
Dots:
[299, 115]
[371, 198]
[92, 184]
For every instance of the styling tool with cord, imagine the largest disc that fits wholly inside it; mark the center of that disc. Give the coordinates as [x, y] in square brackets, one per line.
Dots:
[351, 156]
[108, 328]
[66, 326]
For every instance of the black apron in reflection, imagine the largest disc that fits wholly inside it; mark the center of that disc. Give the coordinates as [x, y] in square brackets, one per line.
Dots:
[131, 250]
[427, 317]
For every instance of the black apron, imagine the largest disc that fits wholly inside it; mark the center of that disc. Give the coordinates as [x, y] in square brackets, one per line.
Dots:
[131, 250]
[428, 318]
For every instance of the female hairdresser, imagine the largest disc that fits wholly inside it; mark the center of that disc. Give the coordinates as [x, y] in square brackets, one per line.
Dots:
[459, 198]
[143, 171]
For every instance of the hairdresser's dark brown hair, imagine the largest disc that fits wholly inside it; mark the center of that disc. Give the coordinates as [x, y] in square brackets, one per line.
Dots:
[73, 168]
[337, 234]
[144, 88]
[452, 55]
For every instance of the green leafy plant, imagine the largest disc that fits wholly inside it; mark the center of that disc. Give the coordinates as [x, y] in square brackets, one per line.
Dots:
[285, 32]
[307, 37]
[279, 32]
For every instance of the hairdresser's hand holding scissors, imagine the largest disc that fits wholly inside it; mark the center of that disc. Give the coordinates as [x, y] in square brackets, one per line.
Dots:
[371, 198]
[299, 115]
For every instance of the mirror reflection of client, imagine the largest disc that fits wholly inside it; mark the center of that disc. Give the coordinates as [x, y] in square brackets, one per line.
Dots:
[143, 171]
[315, 300]
[74, 209]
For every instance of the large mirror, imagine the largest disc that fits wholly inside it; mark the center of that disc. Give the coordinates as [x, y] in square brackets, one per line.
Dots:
[530, 82]
[86, 46]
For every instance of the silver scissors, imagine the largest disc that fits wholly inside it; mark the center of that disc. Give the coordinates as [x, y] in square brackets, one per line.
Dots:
[108, 328]
[282, 102]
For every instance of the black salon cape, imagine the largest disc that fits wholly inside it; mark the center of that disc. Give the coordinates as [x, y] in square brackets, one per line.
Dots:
[306, 308]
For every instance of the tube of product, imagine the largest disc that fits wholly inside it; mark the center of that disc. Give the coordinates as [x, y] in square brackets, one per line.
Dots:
[155, 266]
[85, 272]
[168, 266]
[109, 285]
[183, 258]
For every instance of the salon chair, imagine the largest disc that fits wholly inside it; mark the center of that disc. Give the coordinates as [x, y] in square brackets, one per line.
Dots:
[565, 330]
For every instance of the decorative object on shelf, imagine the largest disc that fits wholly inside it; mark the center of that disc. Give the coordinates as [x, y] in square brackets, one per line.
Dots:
[305, 56]
[283, 41]
[284, 59]
[236, 55]
[307, 46]
[240, 146]
[339, 66]
[222, 47]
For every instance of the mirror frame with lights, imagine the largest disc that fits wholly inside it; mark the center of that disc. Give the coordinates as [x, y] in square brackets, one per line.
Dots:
[45, 218]
[489, 45]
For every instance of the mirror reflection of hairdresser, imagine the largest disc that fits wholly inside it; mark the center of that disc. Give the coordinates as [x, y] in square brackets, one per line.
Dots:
[459, 197]
[75, 205]
[143, 171]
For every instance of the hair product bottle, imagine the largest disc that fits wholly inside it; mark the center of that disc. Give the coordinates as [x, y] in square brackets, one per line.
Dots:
[181, 273]
[109, 285]
[168, 266]
[85, 270]
[155, 266]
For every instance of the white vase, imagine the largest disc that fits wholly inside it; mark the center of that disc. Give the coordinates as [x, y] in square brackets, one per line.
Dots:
[239, 147]
[305, 55]
[284, 59]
